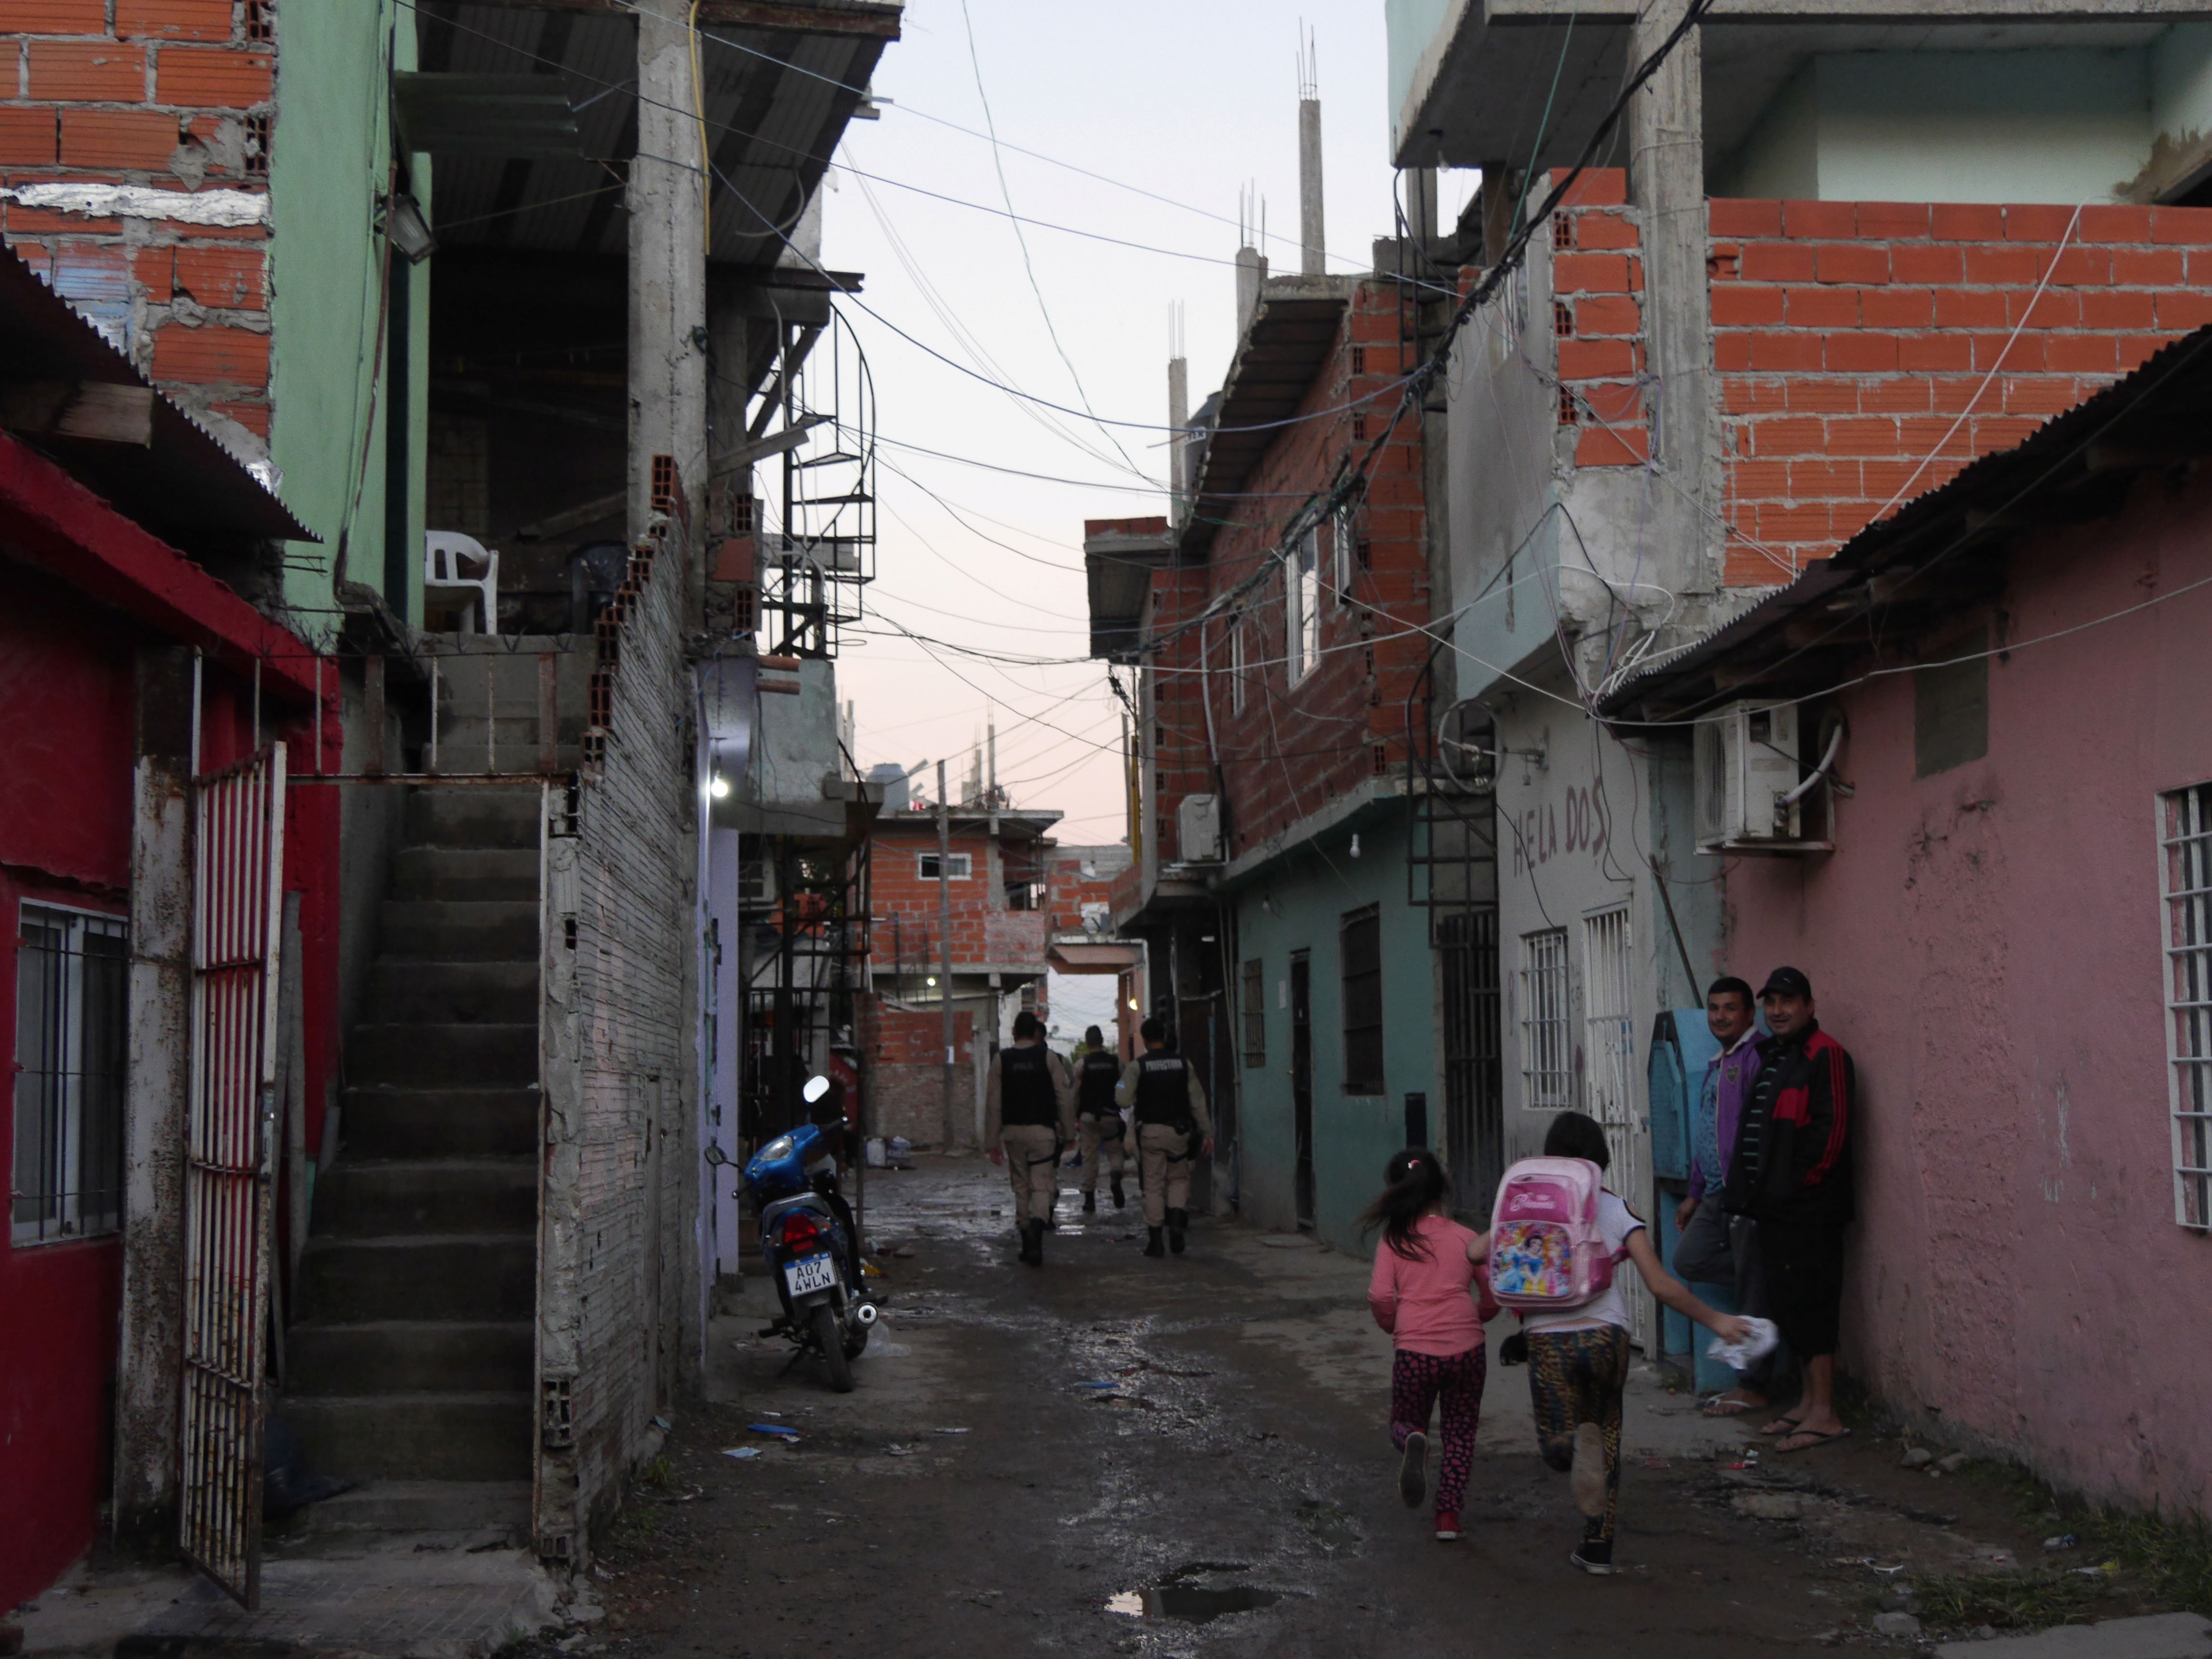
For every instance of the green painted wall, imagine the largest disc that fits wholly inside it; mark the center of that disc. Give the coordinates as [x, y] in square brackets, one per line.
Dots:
[1300, 903]
[329, 162]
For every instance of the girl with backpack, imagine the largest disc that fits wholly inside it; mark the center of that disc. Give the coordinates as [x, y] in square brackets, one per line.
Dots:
[1577, 1353]
[1424, 1292]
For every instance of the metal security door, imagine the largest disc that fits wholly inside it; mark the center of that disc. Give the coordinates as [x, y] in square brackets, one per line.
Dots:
[1474, 1091]
[1610, 1081]
[237, 917]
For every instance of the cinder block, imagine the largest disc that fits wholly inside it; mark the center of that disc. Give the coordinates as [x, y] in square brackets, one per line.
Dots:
[88, 71]
[1578, 273]
[1967, 222]
[2181, 224]
[1608, 314]
[2114, 222]
[1824, 307]
[1746, 305]
[1897, 307]
[1892, 220]
[173, 19]
[2001, 266]
[1819, 220]
[136, 140]
[1859, 351]
[214, 354]
[214, 77]
[28, 138]
[232, 277]
[1851, 262]
[1784, 353]
[1777, 262]
[2034, 222]
[1743, 216]
[2137, 267]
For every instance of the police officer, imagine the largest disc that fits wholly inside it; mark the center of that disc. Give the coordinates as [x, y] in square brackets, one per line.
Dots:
[1098, 1117]
[1171, 1120]
[1028, 1115]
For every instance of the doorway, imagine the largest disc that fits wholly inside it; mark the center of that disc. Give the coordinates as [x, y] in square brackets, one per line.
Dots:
[1474, 1126]
[1302, 1082]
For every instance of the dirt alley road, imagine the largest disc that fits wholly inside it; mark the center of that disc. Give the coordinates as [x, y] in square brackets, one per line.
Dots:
[978, 1494]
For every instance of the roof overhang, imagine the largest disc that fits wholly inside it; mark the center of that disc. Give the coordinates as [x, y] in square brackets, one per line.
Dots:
[782, 81]
[1294, 328]
[1911, 576]
[1095, 957]
[1118, 557]
[1479, 90]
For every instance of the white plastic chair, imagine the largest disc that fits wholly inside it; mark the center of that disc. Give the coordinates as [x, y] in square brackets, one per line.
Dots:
[443, 551]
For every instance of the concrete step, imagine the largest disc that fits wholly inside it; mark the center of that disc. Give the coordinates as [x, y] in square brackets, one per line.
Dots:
[447, 930]
[452, 994]
[459, 1056]
[465, 872]
[438, 1122]
[415, 1437]
[399, 1355]
[473, 815]
[475, 1276]
[420, 1506]
[383, 1199]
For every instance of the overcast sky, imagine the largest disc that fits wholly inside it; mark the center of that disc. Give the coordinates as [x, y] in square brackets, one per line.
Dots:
[1190, 102]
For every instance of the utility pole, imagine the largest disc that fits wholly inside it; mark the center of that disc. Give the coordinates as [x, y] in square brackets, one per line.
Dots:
[945, 939]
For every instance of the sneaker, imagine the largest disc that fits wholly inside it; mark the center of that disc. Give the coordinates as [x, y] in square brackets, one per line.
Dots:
[1413, 1470]
[1447, 1526]
[1593, 1557]
[1587, 1481]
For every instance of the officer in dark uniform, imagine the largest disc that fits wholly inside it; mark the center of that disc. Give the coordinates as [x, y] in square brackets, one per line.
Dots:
[1098, 1118]
[1171, 1124]
[1029, 1116]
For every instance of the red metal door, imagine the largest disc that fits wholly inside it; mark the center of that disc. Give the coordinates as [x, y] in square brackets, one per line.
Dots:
[237, 915]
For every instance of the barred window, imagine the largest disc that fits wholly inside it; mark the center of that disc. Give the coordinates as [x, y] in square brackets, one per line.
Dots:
[71, 998]
[1546, 1040]
[958, 866]
[1362, 941]
[1252, 1013]
[2185, 838]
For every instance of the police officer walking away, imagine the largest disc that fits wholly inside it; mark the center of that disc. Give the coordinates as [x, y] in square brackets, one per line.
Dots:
[1028, 1115]
[1170, 1115]
[1098, 1117]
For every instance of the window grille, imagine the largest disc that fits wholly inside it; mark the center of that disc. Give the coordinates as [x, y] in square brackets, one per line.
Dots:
[1547, 1047]
[1610, 1029]
[1302, 607]
[71, 1000]
[2185, 840]
[959, 866]
[1343, 551]
[1252, 1013]
[1358, 360]
[1361, 939]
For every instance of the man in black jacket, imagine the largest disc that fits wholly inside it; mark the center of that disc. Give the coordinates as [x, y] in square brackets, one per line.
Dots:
[1791, 1171]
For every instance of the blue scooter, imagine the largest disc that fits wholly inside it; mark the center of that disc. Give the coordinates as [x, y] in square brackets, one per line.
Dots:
[812, 1250]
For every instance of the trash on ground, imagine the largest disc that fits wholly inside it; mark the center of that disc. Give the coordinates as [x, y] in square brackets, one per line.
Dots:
[741, 1451]
[1174, 1598]
[952, 1431]
[2065, 1540]
[775, 1429]
[901, 1451]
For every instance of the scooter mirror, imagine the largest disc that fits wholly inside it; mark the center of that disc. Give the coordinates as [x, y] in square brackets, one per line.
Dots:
[716, 1156]
[816, 1088]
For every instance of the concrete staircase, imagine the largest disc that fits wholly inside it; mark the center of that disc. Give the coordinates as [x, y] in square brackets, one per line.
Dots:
[410, 1368]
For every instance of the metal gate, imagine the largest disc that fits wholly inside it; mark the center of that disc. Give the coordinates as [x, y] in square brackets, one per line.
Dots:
[1611, 1079]
[237, 917]
[1474, 1125]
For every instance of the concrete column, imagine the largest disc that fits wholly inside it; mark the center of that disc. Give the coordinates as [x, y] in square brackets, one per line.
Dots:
[1251, 271]
[1179, 478]
[1313, 237]
[149, 1367]
[667, 201]
[1667, 183]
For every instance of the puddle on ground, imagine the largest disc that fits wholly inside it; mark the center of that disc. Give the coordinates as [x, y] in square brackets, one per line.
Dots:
[1175, 1597]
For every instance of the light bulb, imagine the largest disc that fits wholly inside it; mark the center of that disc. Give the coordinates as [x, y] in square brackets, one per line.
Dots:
[719, 786]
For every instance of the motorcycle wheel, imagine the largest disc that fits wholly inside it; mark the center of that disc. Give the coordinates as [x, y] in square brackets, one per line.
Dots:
[831, 1341]
[854, 1343]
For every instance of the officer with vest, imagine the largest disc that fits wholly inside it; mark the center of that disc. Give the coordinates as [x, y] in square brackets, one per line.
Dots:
[1171, 1124]
[1028, 1115]
[1098, 1117]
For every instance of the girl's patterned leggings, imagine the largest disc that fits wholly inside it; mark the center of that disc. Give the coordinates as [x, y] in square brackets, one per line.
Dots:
[1577, 1377]
[1417, 1381]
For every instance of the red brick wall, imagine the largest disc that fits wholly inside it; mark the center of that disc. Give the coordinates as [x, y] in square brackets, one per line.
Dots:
[1850, 338]
[1291, 749]
[983, 929]
[903, 1055]
[1597, 320]
[1068, 890]
[172, 94]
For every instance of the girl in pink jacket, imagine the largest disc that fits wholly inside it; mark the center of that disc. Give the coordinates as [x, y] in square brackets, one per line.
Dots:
[1433, 1300]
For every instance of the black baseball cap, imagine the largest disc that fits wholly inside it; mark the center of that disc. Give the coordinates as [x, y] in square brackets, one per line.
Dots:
[1787, 982]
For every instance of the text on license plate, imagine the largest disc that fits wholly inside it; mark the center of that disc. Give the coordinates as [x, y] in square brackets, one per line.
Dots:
[812, 1272]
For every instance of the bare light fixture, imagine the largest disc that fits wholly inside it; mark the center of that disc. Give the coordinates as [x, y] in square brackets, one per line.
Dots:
[407, 230]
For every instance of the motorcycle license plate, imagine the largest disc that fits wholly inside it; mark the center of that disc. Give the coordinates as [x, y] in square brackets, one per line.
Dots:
[809, 1274]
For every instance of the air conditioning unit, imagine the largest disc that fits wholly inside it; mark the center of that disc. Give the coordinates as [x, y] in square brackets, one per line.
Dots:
[1198, 829]
[1747, 766]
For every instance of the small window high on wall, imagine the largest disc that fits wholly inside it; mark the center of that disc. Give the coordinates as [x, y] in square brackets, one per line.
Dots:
[71, 1002]
[958, 866]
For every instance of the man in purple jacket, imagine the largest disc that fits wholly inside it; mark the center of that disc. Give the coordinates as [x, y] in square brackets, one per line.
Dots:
[1717, 1248]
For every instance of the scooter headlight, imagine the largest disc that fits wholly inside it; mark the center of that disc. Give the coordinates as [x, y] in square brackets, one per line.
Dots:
[777, 1150]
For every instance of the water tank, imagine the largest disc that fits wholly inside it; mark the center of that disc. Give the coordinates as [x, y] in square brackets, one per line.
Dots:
[892, 776]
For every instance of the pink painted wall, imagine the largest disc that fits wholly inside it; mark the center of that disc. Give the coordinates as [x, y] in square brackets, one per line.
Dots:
[1987, 944]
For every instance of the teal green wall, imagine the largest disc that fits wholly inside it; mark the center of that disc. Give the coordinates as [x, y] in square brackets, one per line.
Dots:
[328, 164]
[1310, 892]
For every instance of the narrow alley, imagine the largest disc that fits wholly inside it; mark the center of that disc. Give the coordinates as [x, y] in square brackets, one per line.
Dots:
[1200, 1442]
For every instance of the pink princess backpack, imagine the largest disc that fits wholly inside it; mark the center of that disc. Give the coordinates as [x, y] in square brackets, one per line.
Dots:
[1545, 1251]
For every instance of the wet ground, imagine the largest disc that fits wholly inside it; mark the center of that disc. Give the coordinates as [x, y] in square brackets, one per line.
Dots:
[1114, 1455]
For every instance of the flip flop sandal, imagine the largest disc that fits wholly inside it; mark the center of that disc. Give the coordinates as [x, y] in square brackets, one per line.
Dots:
[1717, 1406]
[1813, 1437]
[1780, 1425]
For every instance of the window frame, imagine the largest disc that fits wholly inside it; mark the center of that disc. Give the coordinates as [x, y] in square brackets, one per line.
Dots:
[1237, 664]
[1551, 1031]
[1252, 1012]
[1344, 551]
[1302, 607]
[65, 1139]
[2184, 828]
[962, 866]
[1360, 1009]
